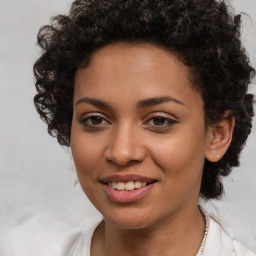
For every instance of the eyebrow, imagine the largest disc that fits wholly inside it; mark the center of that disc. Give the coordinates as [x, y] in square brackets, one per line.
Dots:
[96, 102]
[156, 101]
[141, 104]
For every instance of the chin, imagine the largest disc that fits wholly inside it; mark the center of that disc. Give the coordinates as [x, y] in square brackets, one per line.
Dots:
[130, 219]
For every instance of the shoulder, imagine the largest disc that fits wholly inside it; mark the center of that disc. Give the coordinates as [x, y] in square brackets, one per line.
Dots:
[51, 232]
[219, 243]
[241, 250]
[82, 245]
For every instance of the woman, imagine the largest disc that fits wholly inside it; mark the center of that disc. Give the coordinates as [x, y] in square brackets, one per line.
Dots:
[152, 98]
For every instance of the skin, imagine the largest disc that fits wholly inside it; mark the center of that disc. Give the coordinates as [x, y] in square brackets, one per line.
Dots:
[129, 139]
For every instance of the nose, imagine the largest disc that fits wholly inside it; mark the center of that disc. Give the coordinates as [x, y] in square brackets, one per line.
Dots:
[125, 146]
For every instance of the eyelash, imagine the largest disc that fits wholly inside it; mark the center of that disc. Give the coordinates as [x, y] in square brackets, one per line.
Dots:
[167, 122]
[84, 121]
[87, 122]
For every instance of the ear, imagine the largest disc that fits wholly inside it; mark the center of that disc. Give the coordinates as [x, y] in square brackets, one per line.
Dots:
[220, 137]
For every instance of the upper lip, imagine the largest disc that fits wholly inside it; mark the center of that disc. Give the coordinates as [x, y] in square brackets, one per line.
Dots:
[126, 178]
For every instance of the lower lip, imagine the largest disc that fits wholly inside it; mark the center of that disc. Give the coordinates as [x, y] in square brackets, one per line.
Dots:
[127, 196]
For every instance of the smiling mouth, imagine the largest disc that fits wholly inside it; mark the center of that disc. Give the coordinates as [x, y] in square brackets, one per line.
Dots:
[127, 186]
[128, 182]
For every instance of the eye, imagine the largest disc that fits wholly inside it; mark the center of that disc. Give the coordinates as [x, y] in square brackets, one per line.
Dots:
[160, 122]
[94, 121]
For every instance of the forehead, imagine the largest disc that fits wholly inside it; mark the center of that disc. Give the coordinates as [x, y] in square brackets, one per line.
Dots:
[135, 72]
[136, 58]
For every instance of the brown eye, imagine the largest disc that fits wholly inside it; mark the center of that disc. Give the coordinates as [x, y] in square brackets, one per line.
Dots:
[96, 120]
[159, 121]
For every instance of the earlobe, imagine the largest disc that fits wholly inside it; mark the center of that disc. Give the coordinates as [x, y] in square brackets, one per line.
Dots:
[220, 137]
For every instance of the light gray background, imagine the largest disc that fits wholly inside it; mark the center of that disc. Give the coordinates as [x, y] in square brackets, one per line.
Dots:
[35, 172]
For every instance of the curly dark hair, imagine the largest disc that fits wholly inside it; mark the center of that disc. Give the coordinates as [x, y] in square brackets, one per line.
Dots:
[203, 33]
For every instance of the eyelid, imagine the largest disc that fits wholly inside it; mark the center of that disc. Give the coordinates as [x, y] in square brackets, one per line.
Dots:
[161, 114]
[169, 118]
[89, 115]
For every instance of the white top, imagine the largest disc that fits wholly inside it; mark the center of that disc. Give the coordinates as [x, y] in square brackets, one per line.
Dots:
[59, 232]
[218, 243]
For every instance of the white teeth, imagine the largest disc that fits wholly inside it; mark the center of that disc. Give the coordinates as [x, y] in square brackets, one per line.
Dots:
[130, 185]
[114, 185]
[120, 185]
[137, 184]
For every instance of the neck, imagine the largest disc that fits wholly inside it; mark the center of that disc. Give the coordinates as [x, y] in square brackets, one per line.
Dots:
[166, 237]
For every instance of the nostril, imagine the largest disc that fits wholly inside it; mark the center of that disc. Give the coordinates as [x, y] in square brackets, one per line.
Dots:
[122, 163]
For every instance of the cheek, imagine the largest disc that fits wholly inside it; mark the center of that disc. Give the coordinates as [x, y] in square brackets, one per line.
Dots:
[180, 154]
[86, 154]
[181, 171]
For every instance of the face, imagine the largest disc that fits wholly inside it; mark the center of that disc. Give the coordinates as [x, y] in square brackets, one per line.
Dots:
[138, 135]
